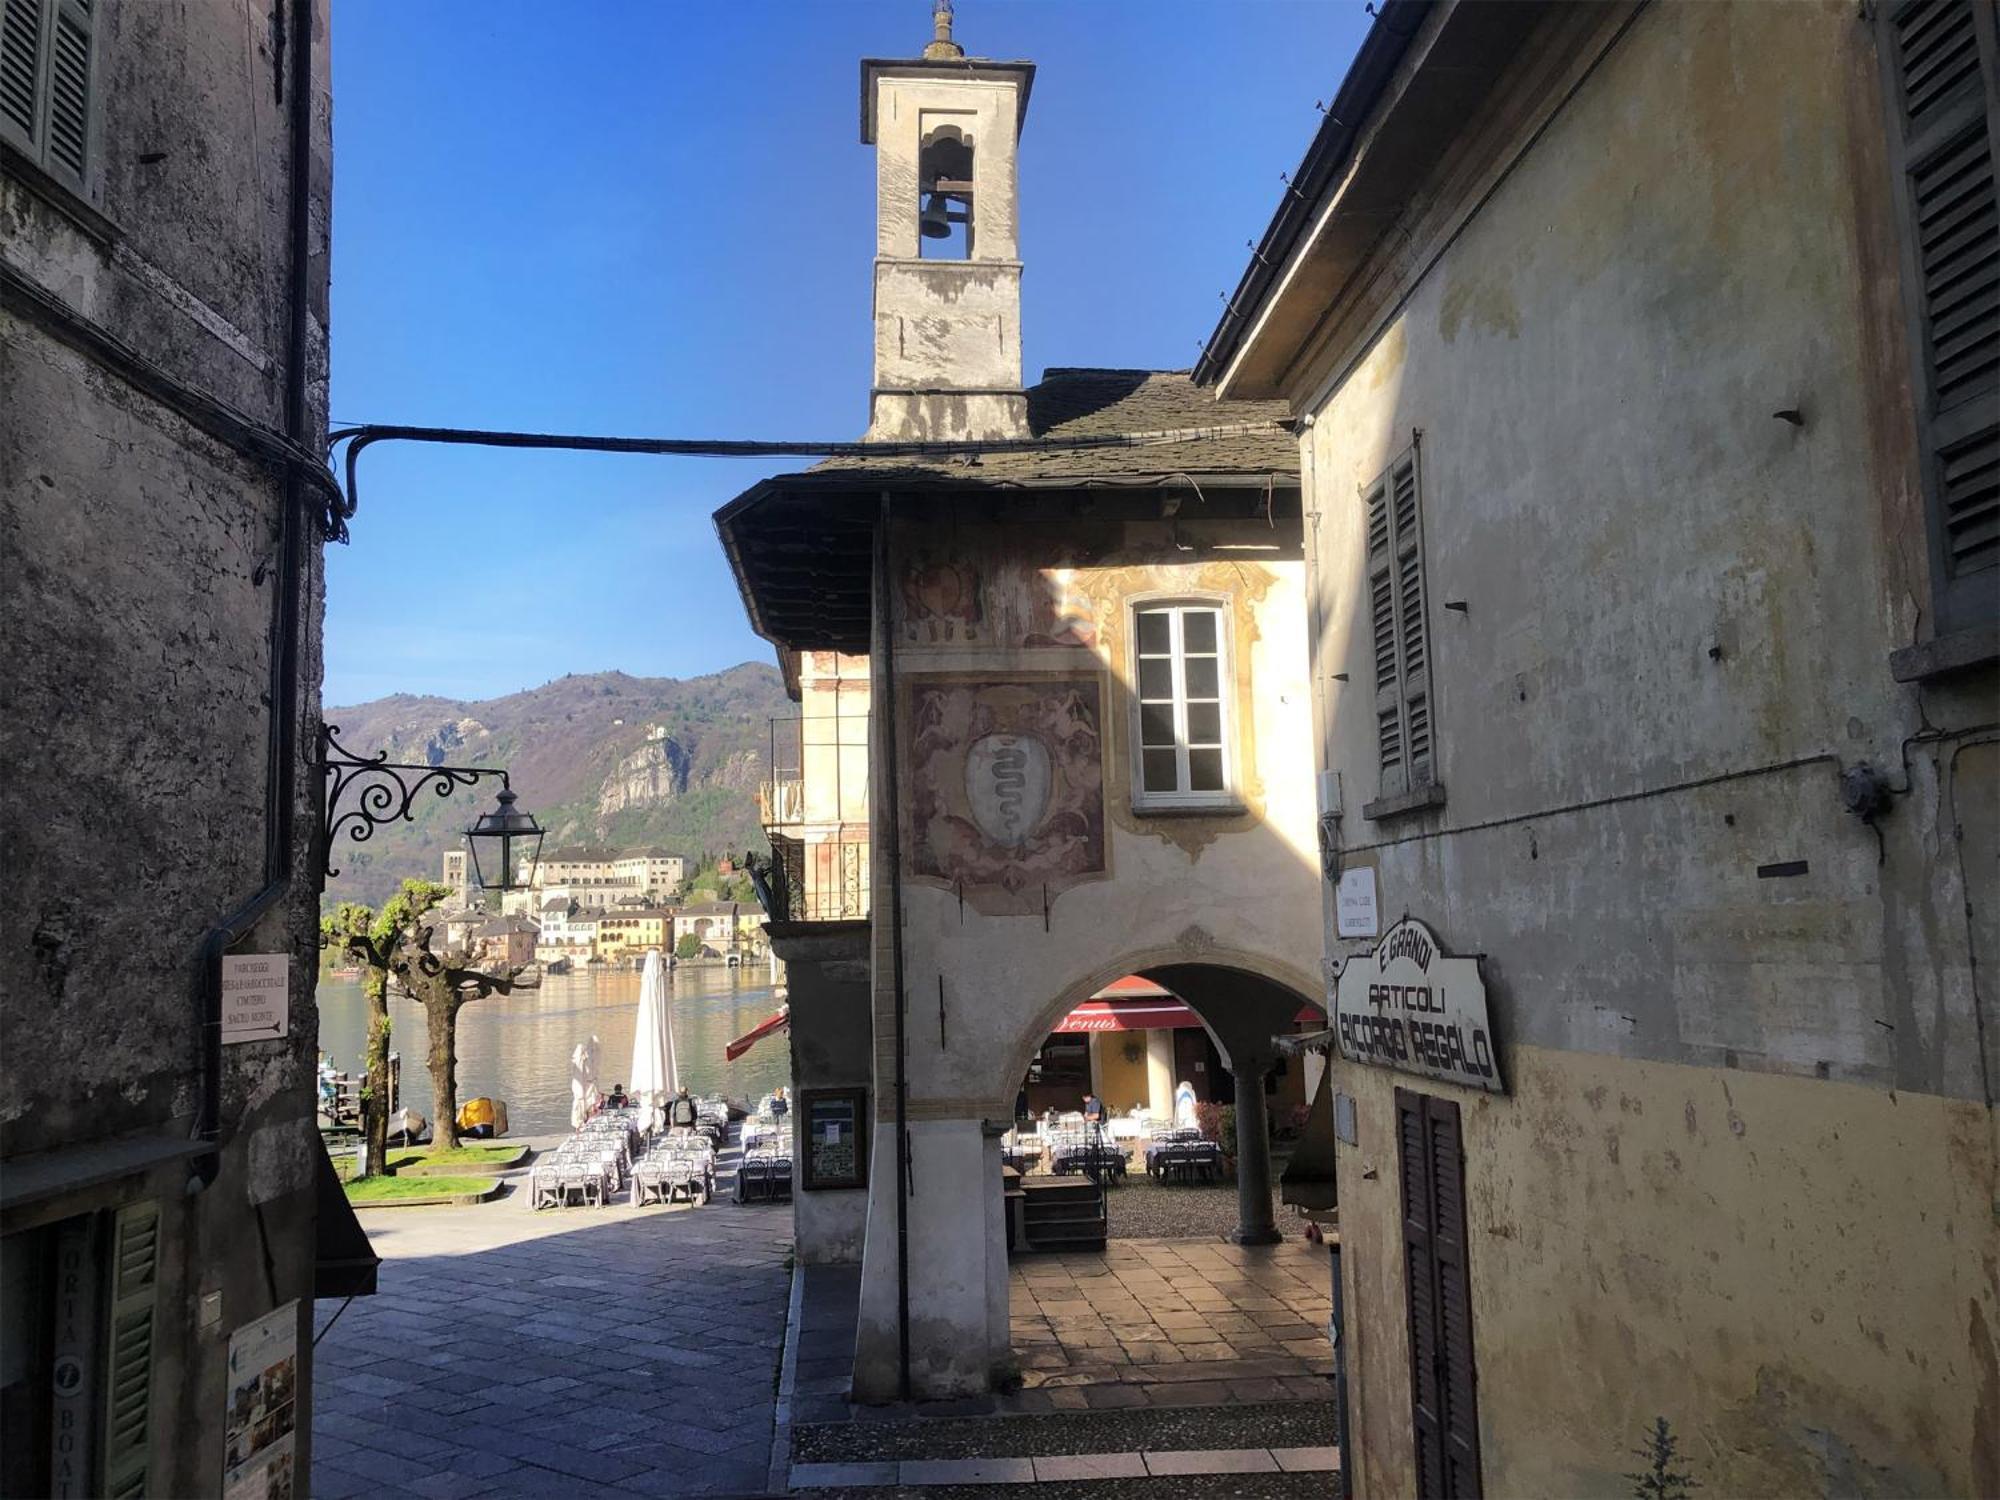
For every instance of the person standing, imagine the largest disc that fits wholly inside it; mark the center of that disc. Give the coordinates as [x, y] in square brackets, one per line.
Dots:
[681, 1114]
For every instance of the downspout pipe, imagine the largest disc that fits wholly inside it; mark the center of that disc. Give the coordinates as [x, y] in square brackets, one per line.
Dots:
[893, 839]
[281, 741]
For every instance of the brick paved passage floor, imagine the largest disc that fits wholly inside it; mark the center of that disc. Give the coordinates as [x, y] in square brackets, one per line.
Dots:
[613, 1350]
[1172, 1322]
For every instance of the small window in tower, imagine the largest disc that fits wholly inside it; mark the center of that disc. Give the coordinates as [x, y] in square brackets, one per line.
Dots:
[944, 181]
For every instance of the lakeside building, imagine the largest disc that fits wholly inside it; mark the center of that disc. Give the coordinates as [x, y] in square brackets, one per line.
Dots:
[650, 874]
[163, 335]
[1087, 739]
[1649, 375]
[628, 932]
[722, 928]
[505, 941]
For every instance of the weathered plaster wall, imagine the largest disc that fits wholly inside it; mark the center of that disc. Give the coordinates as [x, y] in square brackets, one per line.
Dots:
[1043, 612]
[1799, 1275]
[947, 332]
[134, 694]
[1745, 1180]
[1182, 885]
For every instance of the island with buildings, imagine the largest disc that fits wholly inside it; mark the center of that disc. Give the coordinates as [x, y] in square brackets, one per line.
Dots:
[586, 905]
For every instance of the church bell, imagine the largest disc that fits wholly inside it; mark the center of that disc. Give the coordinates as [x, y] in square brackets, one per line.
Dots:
[935, 222]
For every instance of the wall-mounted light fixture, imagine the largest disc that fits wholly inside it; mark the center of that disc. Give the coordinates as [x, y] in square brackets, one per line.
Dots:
[384, 790]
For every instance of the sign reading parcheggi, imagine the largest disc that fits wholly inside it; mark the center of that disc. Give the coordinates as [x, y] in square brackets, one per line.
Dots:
[1409, 1005]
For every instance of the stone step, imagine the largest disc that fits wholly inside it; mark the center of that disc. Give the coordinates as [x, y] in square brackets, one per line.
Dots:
[1167, 1466]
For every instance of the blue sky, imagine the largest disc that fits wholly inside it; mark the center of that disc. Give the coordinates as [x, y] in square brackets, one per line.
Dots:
[657, 219]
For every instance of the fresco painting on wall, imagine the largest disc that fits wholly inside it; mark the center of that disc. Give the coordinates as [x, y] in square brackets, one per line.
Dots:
[941, 601]
[1007, 782]
[1013, 599]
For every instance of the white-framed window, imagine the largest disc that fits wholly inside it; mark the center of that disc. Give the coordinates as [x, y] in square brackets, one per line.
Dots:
[1181, 744]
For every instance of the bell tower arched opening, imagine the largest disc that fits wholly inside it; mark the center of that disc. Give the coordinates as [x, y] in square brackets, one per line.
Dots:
[945, 219]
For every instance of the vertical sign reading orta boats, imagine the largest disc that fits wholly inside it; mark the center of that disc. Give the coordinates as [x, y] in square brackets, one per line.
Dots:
[1411, 1006]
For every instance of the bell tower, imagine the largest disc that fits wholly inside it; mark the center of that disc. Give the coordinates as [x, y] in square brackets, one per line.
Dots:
[945, 128]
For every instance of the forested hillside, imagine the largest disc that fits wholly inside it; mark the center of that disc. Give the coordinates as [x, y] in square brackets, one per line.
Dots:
[599, 758]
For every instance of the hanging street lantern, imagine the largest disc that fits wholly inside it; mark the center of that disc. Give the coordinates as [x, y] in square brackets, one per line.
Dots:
[512, 840]
[364, 792]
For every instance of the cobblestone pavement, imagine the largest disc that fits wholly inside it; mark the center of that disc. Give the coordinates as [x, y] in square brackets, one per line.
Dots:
[510, 1352]
[1172, 1322]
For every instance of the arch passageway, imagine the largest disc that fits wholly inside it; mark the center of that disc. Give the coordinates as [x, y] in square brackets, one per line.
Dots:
[1184, 1009]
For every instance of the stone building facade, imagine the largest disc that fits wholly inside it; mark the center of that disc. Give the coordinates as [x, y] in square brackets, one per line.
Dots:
[163, 254]
[1648, 359]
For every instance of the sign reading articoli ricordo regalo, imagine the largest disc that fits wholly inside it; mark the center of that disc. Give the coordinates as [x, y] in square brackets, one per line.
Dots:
[1409, 1005]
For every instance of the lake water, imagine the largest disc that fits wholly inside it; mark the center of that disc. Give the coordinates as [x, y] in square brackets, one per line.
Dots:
[516, 1047]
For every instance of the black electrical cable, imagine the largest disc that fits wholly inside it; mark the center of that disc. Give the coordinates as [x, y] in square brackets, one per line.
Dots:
[362, 437]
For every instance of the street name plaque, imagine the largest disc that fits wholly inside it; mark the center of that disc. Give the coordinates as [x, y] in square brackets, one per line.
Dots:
[255, 998]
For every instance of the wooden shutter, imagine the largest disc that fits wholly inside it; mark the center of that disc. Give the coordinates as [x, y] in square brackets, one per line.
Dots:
[1438, 1296]
[1420, 1293]
[66, 137]
[1939, 63]
[45, 83]
[1412, 619]
[128, 1365]
[23, 29]
[1388, 661]
[1398, 613]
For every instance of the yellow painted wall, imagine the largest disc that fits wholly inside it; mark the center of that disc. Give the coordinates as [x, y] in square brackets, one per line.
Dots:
[1121, 1083]
[1799, 1275]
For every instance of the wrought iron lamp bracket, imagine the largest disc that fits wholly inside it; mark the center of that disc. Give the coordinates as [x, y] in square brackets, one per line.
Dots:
[382, 790]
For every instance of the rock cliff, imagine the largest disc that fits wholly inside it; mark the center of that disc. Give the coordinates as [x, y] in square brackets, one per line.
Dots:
[598, 757]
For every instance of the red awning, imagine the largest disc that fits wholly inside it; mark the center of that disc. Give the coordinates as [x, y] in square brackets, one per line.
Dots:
[1129, 1015]
[757, 1034]
[1136, 1004]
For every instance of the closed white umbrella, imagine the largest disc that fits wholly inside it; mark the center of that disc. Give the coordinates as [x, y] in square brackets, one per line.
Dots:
[583, 1095]
[655, 1073]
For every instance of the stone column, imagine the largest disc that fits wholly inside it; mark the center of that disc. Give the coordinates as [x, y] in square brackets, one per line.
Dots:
[1254, 1225]
[1160, 1074]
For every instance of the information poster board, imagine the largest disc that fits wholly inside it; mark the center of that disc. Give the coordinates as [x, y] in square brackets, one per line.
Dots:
[259, 1424]
[836, 1129]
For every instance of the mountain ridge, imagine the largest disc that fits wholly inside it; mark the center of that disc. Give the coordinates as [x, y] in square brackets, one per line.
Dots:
[597, 757]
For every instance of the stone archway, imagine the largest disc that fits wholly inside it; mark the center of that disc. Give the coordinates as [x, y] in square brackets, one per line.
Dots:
[1244, 1001]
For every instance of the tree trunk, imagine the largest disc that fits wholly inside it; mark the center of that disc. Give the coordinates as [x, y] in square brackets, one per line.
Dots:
[375, 1095]
[441, 1018]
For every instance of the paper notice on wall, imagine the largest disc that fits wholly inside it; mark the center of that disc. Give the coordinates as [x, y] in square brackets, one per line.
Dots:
[260, 1441]
[255, 996]
[1354, 903]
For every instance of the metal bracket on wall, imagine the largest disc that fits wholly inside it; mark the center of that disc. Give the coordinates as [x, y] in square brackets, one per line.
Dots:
[385, 791]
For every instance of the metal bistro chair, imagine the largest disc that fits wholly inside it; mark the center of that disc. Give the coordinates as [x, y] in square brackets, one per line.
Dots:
[545, 1183]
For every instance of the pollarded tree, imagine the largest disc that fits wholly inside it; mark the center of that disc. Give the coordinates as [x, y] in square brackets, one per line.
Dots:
[444, 984]
[396, 943]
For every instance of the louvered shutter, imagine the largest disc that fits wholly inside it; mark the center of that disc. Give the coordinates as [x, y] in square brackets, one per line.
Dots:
[1412, 619]
[1420, 1293]
[1399, 619]
[128, 1365]
[46, 81]
[23, 30]
[1438, 1295]
[66, 136]
[1940, 69]
[1382, 618]
[1457, 1378]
